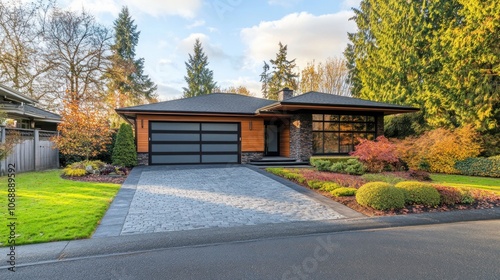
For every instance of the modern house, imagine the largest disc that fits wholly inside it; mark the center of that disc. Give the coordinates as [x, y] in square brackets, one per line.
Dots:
[22, 109]
[232, 128]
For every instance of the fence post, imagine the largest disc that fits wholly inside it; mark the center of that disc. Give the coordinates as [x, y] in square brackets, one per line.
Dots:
[36, 156]
[2, 161]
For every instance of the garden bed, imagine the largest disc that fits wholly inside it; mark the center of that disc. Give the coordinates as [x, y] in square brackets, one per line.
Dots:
[96, 178]
[483, 199]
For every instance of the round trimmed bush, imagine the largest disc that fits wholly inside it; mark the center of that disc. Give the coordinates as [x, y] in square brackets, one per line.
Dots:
[380, 196]
[419, 193]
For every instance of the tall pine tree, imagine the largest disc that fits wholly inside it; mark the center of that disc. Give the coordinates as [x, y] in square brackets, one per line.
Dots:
[435, 55]
[264, 79]
[199, 78]
[283, 74]
[127, 83]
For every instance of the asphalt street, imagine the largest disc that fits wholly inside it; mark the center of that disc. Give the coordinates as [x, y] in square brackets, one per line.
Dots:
[464, 250]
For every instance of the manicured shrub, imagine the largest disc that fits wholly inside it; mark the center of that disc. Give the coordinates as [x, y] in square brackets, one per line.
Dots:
[322, 165]
[343, 180]
[332, 160]
[449, 195]
[419, 193]
[382, 177]
[294, 176]
[329, 186]
[351, 166]
[276, 171]
[124, 152]
[377, 155]
[380, 196]
[479, 167]
[83, 168]
[467, 197]
[344, 192]
[74, 172]
[315, 184]
[438, 150]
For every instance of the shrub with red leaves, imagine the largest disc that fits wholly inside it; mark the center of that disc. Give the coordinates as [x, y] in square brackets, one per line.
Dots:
[377, 155]
[449, 195]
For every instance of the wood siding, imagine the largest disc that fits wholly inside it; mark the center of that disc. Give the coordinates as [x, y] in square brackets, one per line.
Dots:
[285, 141]
[252, 139]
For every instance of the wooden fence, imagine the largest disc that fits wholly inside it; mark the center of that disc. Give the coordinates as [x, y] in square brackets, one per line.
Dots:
[34, 152]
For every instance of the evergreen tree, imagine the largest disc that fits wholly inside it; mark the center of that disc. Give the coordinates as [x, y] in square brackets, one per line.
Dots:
[127, 83]
[124, 152]
[429, 54]
[264, 79]
[282, 75]
[199, 78]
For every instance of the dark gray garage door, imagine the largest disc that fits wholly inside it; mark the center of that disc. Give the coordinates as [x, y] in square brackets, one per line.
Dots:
[193, 142]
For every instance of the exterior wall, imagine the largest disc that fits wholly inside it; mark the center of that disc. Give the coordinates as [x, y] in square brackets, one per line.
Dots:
[285, 140]
[252, 130]
[301, 142]
[142, 158]
[380, 125]
[247, 157]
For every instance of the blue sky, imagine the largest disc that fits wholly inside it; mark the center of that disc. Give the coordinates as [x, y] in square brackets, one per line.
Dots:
[237, 35]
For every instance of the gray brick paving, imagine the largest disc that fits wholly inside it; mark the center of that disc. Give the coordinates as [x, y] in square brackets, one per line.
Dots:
[176, 200]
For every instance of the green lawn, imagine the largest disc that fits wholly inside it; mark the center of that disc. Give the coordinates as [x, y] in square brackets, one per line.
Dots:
[49, 208]
[485, 183]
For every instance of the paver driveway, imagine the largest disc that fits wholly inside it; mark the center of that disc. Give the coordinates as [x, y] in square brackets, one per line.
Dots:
[174, 199]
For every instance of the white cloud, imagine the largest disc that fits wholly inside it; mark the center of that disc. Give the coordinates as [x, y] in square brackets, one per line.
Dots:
[197, 23]
[308, 37]
[183, 8]
[249, 82]
[213, 51]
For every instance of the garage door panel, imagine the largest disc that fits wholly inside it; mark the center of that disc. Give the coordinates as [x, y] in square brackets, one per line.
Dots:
[175, 126]
[219, 158]
[219, 127]
[219, 137]
[161, 148]
[174, 159]
[175, 137]
[194, 143]
[219, 148]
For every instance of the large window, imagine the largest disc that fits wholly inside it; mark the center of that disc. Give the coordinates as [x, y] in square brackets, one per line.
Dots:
[338, 134]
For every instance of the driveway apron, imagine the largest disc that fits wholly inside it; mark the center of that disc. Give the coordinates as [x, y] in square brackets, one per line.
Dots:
[192, 197]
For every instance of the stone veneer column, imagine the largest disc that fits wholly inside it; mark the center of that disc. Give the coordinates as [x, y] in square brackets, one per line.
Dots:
[142, 158]
[380, 125]
[301, 146]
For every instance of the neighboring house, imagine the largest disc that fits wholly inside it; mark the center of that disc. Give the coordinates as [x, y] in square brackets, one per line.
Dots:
[232, 128]
[22, 109]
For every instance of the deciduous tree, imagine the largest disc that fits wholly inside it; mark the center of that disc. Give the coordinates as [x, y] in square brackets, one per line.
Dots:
[84, 130]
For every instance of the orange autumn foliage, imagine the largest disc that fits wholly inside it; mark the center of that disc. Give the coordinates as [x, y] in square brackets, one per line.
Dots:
[84, 130]
[438, 150]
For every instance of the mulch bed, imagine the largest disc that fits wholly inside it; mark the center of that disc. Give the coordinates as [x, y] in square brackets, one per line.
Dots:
[350, 201]
[99, 178]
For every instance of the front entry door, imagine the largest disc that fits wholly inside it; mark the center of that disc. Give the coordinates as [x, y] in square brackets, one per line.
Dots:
[272, 140]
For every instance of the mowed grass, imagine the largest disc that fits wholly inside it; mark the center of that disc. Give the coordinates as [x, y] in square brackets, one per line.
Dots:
[485, 183]
[49, 208]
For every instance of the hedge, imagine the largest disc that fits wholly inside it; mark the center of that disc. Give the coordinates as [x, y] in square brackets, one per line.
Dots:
[487, 167]
[332, 160]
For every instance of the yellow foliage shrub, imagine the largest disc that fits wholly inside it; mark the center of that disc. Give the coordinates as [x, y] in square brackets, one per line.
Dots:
[438, 150]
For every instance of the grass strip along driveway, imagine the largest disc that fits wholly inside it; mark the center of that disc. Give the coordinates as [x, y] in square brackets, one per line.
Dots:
[49, 208]
[485, 183]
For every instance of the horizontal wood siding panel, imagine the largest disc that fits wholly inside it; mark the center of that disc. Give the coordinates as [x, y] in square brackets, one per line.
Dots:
[252, 140]
[285, 141]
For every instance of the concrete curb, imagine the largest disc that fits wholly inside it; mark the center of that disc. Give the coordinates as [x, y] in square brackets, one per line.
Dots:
[95, 247]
